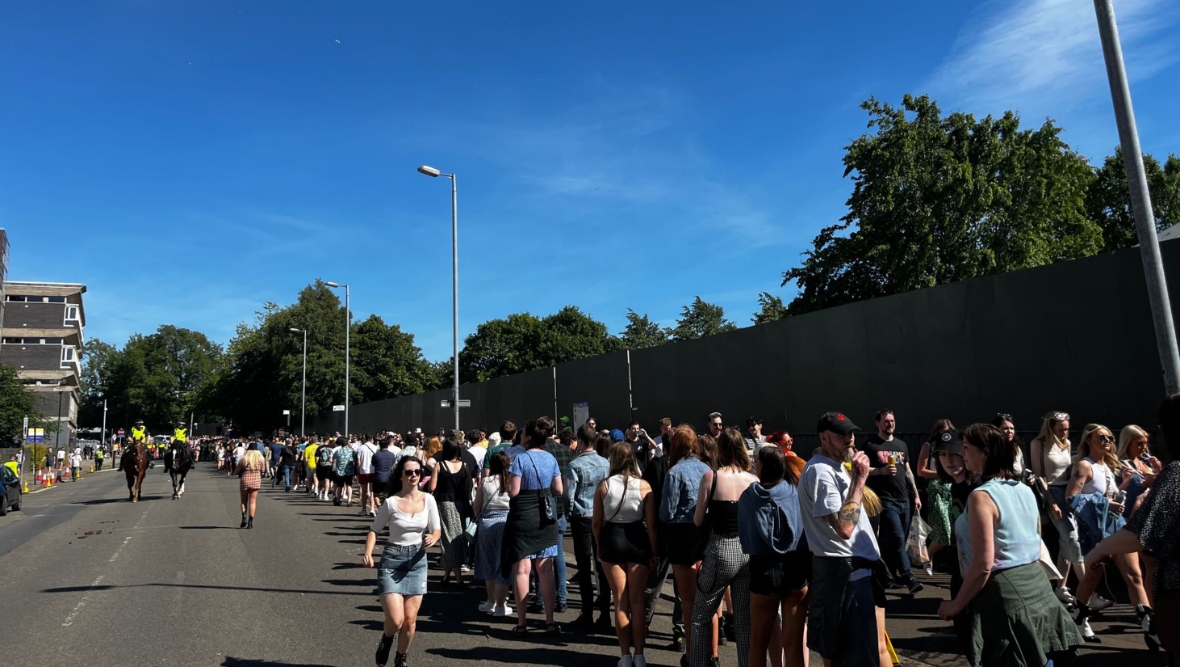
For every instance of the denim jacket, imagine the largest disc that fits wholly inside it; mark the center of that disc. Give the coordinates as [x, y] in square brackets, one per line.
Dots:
[680, 490]
[581, 480]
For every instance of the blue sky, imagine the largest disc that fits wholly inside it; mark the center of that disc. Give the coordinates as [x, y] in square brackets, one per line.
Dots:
[190, 161]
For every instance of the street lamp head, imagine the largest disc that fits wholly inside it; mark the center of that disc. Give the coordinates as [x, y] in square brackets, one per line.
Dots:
[429, 171]
[331, 284]
[296, 330]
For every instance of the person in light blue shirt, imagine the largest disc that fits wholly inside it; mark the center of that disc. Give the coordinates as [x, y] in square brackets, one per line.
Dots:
[582, 478]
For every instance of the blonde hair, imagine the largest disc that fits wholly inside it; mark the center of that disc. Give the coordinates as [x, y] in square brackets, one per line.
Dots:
[1108, 458]
[1047, 436]
[1129, 434]
[252, 459]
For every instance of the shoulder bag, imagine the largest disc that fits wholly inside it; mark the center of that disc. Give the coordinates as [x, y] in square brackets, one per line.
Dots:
[549, 507]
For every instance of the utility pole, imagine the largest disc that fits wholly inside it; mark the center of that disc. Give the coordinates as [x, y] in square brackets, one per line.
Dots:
[1149, 249]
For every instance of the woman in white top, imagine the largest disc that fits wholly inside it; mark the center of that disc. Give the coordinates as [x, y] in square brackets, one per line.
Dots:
[412, 519]
[625, 530]
[491, 508]
[1051, 456]
[1099, 471]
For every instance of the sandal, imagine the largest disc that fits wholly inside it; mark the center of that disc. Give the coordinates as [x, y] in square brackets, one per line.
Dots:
[519, 631]
[553, 630]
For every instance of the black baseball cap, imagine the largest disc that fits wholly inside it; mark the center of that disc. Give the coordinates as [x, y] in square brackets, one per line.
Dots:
[948, 441]
[836, 422]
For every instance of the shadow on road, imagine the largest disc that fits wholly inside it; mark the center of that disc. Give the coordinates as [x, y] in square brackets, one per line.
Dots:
[248, 662]
[83, 589]
[208, 527]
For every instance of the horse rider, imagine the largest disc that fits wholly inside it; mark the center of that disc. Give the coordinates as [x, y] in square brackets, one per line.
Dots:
[138, 434]
[179, 444]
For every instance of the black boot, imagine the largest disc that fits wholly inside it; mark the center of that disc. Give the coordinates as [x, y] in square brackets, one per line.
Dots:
[383, 647]
[250, 523]
[1083, 621]
[399, 660]
[1146, 618]
[243, 520]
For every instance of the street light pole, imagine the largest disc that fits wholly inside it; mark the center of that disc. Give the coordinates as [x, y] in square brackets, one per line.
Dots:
[303, 398]
[1149, 249]
[435, 173]
[104, 423]
[347, 327]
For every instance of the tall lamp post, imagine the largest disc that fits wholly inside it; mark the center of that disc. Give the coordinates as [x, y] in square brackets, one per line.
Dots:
[303, 399]
[347, 327]
[1149, 249]
[435, 173]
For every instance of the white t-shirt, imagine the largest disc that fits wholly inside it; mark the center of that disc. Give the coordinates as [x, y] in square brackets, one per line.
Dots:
[406, 529]
[61, 455]
[494, 498]
[479, 453]
[75, 460]
[822, 491]
[364, 458]
[239, 452]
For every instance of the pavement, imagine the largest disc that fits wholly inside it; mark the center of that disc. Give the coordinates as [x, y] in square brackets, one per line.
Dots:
[90, 578]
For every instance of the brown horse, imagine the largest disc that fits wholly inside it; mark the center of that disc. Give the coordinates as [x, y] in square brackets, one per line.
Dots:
[134, 464]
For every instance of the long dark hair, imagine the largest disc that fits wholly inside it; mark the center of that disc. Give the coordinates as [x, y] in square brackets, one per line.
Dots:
[395, 480]
[450, 451]
[498, 466]
[1001, 455]
[731, 450]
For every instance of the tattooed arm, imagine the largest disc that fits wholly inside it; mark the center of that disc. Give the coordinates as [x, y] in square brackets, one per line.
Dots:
[845, 520]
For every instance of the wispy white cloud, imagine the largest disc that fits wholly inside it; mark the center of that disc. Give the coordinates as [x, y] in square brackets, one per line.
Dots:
[1041, 56]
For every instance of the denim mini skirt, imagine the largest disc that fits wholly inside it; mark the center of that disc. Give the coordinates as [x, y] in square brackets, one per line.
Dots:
[402, 570]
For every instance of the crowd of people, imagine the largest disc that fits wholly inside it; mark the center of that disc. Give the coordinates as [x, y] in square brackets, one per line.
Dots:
[778, 551]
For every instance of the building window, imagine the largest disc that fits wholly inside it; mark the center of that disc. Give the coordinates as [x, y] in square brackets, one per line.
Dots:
[67, 356]
[71, 314]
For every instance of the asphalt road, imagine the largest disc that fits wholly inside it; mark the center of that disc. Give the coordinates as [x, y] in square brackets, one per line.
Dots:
[92, 579]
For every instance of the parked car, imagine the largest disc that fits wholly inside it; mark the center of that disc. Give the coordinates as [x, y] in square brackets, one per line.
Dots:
[13, 495]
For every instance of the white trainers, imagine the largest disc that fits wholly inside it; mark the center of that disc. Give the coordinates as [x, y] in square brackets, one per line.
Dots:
[502, 611]
[626, 661]
[1087, 632]
[486, 607]
[1098, 603]
[1065, 596]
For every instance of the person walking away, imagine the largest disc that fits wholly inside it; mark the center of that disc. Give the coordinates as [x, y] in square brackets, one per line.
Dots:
[563, 454]
[250, 470]
[1094, 491]
[530, 531]
[1015, 619]
[680, 488]
[412, 519]
[491, 505]
[450, 485]
[99, 457]
[288, 457]
[344, 470]
[724, 564]
[323, 469]
[275, 456]
[364, 475]
[841, 617]
[383, 463]
[891, 478]
[1051, 457]
[625, 530]
[581, 479]
[771, 533]
[309, 461]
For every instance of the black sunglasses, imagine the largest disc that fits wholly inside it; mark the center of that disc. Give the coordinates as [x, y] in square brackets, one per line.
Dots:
[415, 471]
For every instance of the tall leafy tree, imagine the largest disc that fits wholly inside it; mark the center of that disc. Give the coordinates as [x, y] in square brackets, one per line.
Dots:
[99, 360]
[939, 199]
[523, 342]
[16, 403]
[156, 377]
[700, 319]
[641, 332]
[1108, 202]
[770, 307]
[386, 362]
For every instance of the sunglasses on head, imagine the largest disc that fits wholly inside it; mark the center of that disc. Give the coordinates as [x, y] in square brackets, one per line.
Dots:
[1061, 416]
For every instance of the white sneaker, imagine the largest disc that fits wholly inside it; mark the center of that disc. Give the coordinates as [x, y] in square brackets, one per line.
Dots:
[487, 607]
[1098, 603]
[1087, 632]
[626, 661]
[1065, 596]
[502, 611]
[639, 661]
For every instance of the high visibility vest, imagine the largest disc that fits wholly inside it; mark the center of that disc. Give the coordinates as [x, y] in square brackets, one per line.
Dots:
[178, 435]
[138, 432]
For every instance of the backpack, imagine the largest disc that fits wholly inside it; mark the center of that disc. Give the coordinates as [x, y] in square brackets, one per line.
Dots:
[323, 456]
[345, 461]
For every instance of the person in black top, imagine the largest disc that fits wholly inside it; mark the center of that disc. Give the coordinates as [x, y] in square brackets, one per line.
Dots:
[654, 474]
[891, 478]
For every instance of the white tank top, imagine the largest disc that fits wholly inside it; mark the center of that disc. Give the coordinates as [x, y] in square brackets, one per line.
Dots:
[622, 506]
[1101, 479]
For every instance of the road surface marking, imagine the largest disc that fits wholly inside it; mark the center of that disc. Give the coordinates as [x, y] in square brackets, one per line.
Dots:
[120, 549]
[82, 602]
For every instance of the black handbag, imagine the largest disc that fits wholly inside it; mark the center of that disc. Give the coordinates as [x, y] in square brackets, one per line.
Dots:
[549, 507]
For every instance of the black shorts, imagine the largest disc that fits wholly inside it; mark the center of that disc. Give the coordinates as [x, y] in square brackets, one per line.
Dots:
[324, 473]
[625, 543]
[346, 480]
[681, 543]
[780, 574]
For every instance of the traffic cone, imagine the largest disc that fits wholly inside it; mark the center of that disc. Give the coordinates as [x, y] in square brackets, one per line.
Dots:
[38, 480]
[91, 467]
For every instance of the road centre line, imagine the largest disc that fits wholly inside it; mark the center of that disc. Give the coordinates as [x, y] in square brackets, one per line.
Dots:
[82, 603]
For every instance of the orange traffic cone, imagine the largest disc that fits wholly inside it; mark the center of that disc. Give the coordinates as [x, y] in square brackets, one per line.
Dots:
[38, 480]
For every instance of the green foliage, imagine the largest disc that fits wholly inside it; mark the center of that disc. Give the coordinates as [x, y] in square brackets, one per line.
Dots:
[771, 308]
[937, 200]
[701, 319]
[1108, 202]
[641, 332]
[16, 403]
[523, 342]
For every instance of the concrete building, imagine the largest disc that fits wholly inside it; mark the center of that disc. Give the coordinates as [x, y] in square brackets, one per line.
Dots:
[42, 336]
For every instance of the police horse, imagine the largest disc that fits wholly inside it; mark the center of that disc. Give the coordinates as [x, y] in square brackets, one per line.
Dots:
[134, 464]
[178, 460]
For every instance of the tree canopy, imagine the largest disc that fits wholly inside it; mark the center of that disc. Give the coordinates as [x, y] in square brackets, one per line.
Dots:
[523, 342]
[939, 199]
[1108, 202]
[700, 319]
[641, 332]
